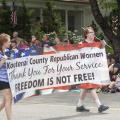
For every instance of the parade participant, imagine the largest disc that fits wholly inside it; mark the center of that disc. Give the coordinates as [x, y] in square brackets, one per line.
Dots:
[91, 39]
[59, 47]
[47, 49]
[4, 83]
[62, 46]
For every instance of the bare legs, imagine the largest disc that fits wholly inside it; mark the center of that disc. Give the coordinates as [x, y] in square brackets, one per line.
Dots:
[2, 105]
[95, 97]
[83, 95]
[7, 103]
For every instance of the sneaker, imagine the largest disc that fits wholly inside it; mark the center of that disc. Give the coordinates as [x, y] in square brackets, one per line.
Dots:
[82, 109]
[102, 108]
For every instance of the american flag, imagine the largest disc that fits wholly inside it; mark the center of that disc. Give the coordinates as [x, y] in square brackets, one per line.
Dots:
[13, 15]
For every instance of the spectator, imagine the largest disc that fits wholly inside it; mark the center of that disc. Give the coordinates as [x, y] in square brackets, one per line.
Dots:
[16, 38]
[114, 69]
[24, 49]
[14, 52]
[57, 41]
[46, 40]
[36, 47]
[23, 45]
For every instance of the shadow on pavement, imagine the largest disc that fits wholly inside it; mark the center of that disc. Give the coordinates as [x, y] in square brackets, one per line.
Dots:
[85, 114]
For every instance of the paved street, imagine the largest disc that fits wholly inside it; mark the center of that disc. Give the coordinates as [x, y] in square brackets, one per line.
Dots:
[62, 107]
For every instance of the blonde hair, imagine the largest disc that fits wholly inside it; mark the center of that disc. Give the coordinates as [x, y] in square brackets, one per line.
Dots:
[3, 39]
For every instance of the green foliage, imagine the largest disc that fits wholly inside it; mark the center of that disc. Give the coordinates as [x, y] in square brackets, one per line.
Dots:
[23, 20]
[100, 35]
[62, 33]
[74, 38]
[49, 24]
[52, 23]
[5, 19]
[52, 20]
[108, 5]
[112, 17]
[37, 31]
[109, 50]
[52, 35]
[111, 14]
[24, 24]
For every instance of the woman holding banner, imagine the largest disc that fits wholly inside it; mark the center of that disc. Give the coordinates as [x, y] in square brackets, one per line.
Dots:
[90, 38]
[4, 83]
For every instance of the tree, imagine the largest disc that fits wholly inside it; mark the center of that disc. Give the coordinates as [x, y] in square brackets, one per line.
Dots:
[24, 24]
[5, 18]
[52, 21]
[106, 27]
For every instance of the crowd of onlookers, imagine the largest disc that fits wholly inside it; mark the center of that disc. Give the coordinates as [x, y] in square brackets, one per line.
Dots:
[21, 48]
[33, 46]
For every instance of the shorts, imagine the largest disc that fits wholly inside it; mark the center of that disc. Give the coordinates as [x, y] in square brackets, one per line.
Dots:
[4, 85]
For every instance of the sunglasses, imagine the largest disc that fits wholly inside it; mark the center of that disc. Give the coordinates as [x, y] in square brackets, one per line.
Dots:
[91, 33]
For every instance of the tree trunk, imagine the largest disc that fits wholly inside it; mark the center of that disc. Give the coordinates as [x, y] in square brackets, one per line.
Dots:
[115, 40]
[118, 2]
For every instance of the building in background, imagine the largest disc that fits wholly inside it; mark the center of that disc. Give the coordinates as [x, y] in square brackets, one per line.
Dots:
[75, 13]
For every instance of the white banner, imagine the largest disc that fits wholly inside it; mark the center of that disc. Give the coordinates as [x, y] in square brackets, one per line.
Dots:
[87, 65]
